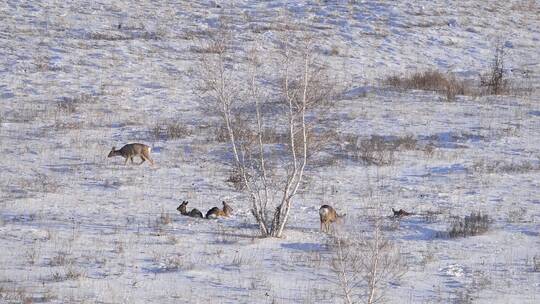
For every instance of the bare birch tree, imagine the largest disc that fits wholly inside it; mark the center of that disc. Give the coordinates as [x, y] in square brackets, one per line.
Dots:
[258, 93]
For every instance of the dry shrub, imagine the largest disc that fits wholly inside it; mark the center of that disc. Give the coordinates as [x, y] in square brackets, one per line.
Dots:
[236, 179]
[431, 80]
[66, 106]
[495, 81]
[536, 263]
[244, 133]
[174, 262]
[69, 104]
[169, 131]
[378, 150]
[505, 167]
[40, 182]
[119, 36]
[365, 264]
[471, 225]
[221, 134]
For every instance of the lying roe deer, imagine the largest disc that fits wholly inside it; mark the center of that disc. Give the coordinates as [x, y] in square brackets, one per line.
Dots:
[131, 150]
[401, 213]
[328, 215]
[193, 213]
[216, 212]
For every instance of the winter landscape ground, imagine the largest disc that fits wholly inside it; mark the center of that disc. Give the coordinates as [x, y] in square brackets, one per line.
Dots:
[78, 77]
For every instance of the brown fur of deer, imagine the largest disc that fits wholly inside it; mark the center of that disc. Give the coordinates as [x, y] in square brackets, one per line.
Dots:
[131, 150]
[193, 213]
[328, 215]
[216, 212]
[401, 213]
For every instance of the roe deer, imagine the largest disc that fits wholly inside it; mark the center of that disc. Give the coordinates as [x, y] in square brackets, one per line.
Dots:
[328, 215]
[216, 212]
[131, 150]
[401, 213]
[193, 213]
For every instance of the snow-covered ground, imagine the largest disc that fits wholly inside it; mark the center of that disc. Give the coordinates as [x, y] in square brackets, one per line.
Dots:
[77, 227]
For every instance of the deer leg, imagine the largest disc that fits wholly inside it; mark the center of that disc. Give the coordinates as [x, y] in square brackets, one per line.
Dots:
[125, 162]
[142, 160]
[145, 157]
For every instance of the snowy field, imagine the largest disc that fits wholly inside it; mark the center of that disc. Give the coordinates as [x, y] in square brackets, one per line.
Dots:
[78, 77]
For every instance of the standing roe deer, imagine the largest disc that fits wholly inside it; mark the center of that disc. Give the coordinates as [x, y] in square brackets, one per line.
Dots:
[131, 150]
[193, 213]
[328, 215]
[216, 212]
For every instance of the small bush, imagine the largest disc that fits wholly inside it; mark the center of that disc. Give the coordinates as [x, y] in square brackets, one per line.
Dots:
[73, 273]
[222, 136]
[236, 179]
[168, 131]
[69, 104]
[378, 150]
[60, 259]
[173, 263]
[495, 80]
[536, 263]
[471, 225]
[66, 106]
[213, 47]
[430, 80]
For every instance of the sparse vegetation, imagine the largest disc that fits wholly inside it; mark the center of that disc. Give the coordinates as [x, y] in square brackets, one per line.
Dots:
[501, 166]
[431, 80]
[170, 131]
[40, 182]
[235, 178]
[365, 264]
[378, 150]
[79, 77]
[125, 35]
[172, 262]
[470, 225]
[164, 218]
[536, 263]
[495, 81]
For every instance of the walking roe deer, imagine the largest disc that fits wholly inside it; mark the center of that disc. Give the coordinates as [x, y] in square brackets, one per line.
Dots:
[131, 150]
[328, 216]
[216, 212]
[193, 213]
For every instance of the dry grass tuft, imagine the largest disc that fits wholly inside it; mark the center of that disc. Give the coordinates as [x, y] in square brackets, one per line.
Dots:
[471, 225]
[431, 80]
[169, 131]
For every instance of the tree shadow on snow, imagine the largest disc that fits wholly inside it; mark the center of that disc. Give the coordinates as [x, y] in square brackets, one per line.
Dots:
[309, 247]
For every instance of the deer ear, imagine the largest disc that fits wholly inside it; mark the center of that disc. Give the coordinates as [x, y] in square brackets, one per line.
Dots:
[113, 148]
